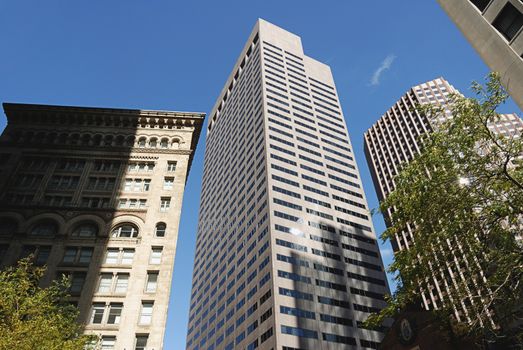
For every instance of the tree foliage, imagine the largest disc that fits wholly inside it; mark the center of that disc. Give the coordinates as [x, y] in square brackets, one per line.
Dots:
[35, 318]
[463, 198]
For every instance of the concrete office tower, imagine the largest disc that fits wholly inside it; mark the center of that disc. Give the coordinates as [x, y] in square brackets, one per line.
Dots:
[394, 139]
[286, 256]
[494, 29]
[96, 194]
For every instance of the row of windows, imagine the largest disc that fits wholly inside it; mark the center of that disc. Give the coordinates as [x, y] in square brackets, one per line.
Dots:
[50, 228]
[111, 313]
[108, 342]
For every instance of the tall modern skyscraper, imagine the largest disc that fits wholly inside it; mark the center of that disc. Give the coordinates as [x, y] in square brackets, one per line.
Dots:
[494, 29]
[286, 255]
[96, 194]
[394, 140]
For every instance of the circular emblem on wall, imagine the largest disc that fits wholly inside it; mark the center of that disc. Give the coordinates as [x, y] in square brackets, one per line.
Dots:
[406, 331]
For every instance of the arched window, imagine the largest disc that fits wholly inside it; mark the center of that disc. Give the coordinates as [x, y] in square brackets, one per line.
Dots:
[125, 231]
[45, 228]
[97, 140]
[153, 142]
[142, 142]
[85, 230]
[85, 139]
[120, 140]
[160, 229]
[164, 143]
[108, 140]
[8, 226]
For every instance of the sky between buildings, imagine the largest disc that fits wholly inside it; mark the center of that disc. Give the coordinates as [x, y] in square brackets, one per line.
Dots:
[176, 55]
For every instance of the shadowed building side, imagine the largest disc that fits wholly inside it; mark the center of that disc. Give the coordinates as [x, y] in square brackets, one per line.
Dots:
[495, 29]
[96, 194]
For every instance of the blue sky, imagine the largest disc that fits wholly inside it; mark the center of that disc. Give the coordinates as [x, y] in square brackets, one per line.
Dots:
[176, 55]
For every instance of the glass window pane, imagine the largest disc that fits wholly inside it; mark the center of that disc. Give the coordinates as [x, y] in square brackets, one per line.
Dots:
[141, 342]
[115, 312]
[85, 255]
[112, 256]
[152, 281]
[77, 282]
[122, 281]
[43, 255]
[147, 313]
[70, 255]
[108, 343]
[97, 313]
[127, 256]
[106, 280]
[156, 255]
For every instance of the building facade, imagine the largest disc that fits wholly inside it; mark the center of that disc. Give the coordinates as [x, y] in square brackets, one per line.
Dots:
[96, 194]
[394, 140]
[286, 254]
[495, 29]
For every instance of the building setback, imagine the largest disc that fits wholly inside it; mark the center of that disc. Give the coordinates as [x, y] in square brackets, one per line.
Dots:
[286, 254]
[394, 140]
[494, 29]
[96, 194]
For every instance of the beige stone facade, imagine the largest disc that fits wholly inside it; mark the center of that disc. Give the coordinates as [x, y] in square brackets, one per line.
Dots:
[96, 194]
[286, 254]
[495, 29]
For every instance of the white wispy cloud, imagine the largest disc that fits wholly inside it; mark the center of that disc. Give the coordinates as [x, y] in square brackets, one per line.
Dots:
[386, 253]
[385, 65]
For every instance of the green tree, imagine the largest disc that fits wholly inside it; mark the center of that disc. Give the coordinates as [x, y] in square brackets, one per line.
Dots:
[35, 318]
[463, 196]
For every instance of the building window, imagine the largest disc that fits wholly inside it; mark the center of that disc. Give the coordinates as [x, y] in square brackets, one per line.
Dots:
[156, 256]
[146, 313]
[152, 281]
[105, 284]
[117, 256]
[153, 143]
[160, 229]
[45, 228]
[3, 251]
[509, 21]
[101, 183]
[77, 282]
[74, 165]
[165, 203]
[85, 231]
[64, 182]
[125, 231]
[122, 282]
[97, 313]
[42, 254]
[127, 256]
[137, 185]
[8, 226]
[115, 313]
[171, 166]
[132, 203]
[78, 255]
[141, 166]
[95, 202]
[108, 342]
[141, 142]
[141, 342]
[168, 183]
[164, 143]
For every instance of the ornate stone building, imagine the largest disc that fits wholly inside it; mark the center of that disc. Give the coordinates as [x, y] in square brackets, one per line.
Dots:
[96, 195]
